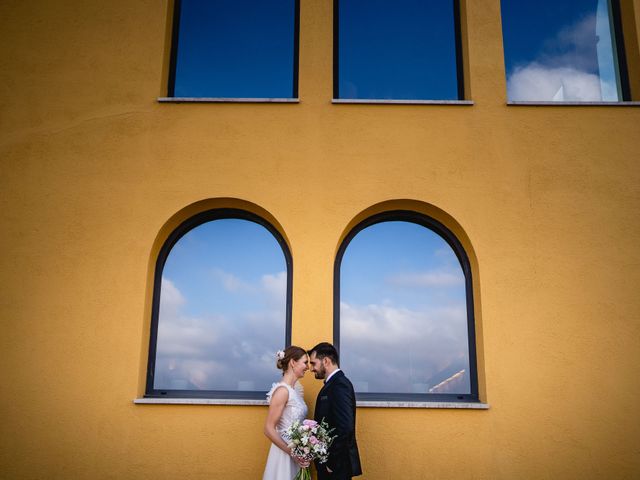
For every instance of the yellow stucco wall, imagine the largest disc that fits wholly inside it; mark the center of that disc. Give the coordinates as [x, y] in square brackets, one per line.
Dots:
[94, 169]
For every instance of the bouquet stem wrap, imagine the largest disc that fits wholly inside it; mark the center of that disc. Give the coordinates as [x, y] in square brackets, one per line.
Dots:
[304, 474]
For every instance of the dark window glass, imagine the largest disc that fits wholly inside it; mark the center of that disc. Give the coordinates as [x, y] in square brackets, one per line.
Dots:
[402, 49]
[235, 49]
[405, 322]
[561, 50]
[221, 312]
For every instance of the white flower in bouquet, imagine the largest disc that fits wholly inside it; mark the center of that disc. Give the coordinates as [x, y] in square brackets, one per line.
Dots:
[309, 440]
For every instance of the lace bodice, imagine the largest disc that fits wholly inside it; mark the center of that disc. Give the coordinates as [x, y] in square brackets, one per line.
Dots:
[295, 409]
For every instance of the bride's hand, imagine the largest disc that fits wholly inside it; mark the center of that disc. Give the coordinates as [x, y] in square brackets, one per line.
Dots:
[303, 462]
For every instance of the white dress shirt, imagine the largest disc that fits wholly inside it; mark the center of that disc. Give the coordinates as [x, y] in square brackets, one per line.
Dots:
[331, 375]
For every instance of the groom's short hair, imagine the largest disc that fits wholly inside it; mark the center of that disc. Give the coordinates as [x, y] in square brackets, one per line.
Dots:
[325, 349]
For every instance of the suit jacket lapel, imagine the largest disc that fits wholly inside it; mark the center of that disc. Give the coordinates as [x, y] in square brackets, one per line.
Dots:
[326, 385]
[336, 375]
[322, 390]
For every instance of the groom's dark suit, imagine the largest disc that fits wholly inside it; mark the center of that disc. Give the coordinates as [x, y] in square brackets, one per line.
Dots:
[336, 404]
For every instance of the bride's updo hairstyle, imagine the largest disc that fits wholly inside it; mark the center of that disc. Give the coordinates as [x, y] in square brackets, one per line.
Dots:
[290, 353]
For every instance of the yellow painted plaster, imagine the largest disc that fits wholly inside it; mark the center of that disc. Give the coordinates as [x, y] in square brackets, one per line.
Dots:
[95, 172]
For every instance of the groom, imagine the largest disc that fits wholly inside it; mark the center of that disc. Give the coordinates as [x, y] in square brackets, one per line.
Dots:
[336, 404]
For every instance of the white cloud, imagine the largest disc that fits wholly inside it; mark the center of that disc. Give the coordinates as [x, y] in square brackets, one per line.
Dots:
[573, 46]
[275, 285]
[389, 348]
[435, 278]
[170, 298]
[215, 351]
[231, 282]
[537, 82]
[567, 68]
[184, 336]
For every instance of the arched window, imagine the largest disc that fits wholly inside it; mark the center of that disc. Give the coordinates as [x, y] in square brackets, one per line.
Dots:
[221, 307]
[403, 314]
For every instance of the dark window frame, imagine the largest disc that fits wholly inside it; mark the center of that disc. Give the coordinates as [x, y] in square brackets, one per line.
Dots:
[620, 50]
[177, 234]
[458, 249]
[458, 47]
[175, 34]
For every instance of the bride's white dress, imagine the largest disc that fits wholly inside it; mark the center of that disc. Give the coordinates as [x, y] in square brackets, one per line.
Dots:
[281, 466]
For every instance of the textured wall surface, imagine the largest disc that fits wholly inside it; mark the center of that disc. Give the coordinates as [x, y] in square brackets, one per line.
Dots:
[94, 170]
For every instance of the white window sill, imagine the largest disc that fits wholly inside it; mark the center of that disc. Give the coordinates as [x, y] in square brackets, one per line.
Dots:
[396, 404]
[574, 104]
[400, 102]
[198, 401]
[361, 403]
[225, 100]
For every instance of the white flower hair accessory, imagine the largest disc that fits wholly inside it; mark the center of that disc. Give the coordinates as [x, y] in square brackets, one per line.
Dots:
[280, 354]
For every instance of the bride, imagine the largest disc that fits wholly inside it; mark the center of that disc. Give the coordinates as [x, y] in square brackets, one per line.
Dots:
[286, 405]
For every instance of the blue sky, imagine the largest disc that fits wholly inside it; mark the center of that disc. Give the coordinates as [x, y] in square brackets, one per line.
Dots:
[403, 325]
[559, 50]
[223, 298]
[238, 49]
[554, 50]
[231, 253]
[390, 262]
[222, 308]
[397, 50]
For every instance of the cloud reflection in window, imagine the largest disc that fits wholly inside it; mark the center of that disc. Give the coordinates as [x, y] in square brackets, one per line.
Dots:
[403, 313]
[222, 309]
[560, 51]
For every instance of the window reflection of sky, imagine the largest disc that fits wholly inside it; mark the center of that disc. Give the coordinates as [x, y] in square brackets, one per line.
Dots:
[560, 50]
[222, 309]
[223, 300]
[399, 50]
[403, 318]
[235, 49]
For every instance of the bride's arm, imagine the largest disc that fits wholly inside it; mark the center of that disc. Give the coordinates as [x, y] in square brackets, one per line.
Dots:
[276, 407]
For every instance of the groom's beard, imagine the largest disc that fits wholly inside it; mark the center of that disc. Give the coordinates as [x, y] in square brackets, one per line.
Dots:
[320, 374]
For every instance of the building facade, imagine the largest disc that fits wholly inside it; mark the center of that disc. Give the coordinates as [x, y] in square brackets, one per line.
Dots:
[110, 155]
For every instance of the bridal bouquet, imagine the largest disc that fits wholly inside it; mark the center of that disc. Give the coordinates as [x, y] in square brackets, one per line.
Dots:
[309, 440]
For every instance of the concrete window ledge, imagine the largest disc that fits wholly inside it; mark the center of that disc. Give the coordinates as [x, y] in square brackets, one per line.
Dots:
[225, 100]
[361, 403]
[367, 101]
[395, 404]
[573, 104]
[198, 401]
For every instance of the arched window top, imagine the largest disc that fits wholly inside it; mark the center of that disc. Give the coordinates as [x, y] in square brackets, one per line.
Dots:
[221, 307]
[404, 310]
[411, 217]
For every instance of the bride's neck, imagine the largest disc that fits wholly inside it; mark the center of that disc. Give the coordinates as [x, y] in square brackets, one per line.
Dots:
[289, 378]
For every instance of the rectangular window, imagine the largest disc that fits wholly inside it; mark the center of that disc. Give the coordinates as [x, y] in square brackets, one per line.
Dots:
[564, 51]
[235, 49]
[397, 50]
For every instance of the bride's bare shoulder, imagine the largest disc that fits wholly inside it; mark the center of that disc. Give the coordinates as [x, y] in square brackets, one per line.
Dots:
[279, 391]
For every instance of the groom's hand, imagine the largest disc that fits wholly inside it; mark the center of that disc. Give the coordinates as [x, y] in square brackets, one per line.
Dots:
[329, 470]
